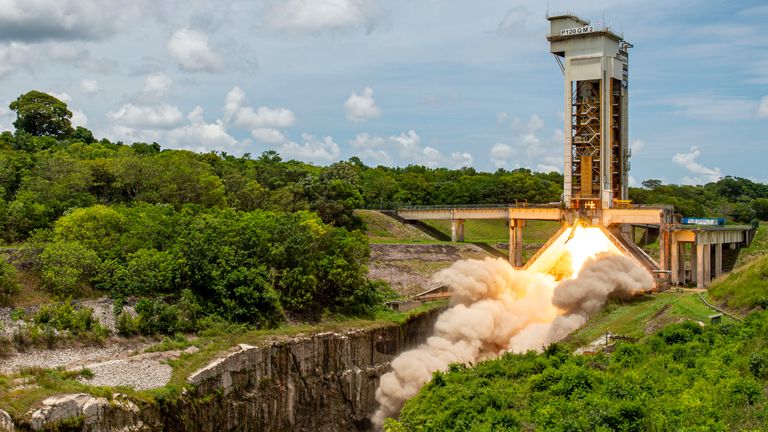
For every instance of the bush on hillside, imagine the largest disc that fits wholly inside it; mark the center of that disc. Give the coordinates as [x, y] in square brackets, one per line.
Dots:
[9, 286]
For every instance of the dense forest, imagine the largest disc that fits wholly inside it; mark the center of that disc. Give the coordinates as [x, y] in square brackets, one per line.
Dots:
[244, 239]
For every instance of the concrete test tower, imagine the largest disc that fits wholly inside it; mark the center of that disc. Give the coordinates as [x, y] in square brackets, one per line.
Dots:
[594, 64]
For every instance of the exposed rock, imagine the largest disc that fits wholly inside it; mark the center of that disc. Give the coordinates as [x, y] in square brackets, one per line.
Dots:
[97, 414]
[58, 408]
[321, 382]
[6, 422]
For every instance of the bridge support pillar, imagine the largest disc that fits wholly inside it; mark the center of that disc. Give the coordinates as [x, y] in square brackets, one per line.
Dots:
[718, 259]
[457, 230]
[516, 242]
[675, 267]
[694, 264]
[665, 248]
[702, 265]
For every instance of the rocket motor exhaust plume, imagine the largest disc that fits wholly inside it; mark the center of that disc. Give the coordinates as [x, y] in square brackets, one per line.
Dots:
[496, 308]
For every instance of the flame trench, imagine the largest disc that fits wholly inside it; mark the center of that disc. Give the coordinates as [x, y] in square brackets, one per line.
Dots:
[496, 308]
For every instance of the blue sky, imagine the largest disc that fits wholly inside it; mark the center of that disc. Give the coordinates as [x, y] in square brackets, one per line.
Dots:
[435, 82]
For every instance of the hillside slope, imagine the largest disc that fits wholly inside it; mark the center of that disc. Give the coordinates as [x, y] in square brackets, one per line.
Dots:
[746, 287]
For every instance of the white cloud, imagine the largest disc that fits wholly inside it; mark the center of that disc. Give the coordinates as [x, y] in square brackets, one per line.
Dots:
[157, 85]
[190, 49]
[762, 110]
[79, 118]
[700, 173]
[365, 141]
[201, 136]
[409, 148]
[150, 116]
[89, 86]
[11, 56]
[38, 20]
[312, 149]
[6, 116]
[462, 159]
[360, 108]
[514, 21]
[545, 154]
[636, 146]
[500, 154]
[63, 96]
[268, 136]
[376, 157]
[263, 117]
[321, 15]
[717, 109]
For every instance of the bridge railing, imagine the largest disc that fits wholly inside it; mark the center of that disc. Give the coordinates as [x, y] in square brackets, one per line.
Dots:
[478, 206]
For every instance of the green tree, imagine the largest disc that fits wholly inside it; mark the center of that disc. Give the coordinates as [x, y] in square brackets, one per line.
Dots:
[41, 114]
[98, 228]
[760, 206]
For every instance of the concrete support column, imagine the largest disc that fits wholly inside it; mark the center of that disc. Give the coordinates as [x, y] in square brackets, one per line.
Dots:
[681, 261]
[718, 259]
[707, 264]
[697, 264]
[457, 230]
[516, 243]
[664, 247]
[675, 276]
[702, 265]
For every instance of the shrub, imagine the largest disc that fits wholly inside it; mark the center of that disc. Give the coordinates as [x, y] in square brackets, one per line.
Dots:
[67, 267]
[146, 271]
[9, 287]
[64, 316]
[157, 317]
[127, 325]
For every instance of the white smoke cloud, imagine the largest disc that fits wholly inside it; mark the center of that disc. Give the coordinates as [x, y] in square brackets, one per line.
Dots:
[496, 308]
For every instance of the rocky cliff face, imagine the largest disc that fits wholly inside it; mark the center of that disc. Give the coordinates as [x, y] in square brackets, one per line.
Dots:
[321, 382]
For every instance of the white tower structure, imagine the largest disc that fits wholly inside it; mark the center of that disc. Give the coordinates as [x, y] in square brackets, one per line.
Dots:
[594, 62]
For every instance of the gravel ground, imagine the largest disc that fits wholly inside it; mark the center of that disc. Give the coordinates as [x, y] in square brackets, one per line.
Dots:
[136, 373]
[68, 357]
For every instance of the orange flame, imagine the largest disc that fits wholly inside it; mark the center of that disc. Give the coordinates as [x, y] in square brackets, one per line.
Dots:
[585, 243]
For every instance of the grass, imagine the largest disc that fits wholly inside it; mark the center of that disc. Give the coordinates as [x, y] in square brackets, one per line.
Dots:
[758, 247]
[21, 392]
[744, 288]
[634, 318]
[496, 230]
[384, 229]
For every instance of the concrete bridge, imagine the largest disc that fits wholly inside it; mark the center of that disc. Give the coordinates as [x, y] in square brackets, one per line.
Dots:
[704, 244]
